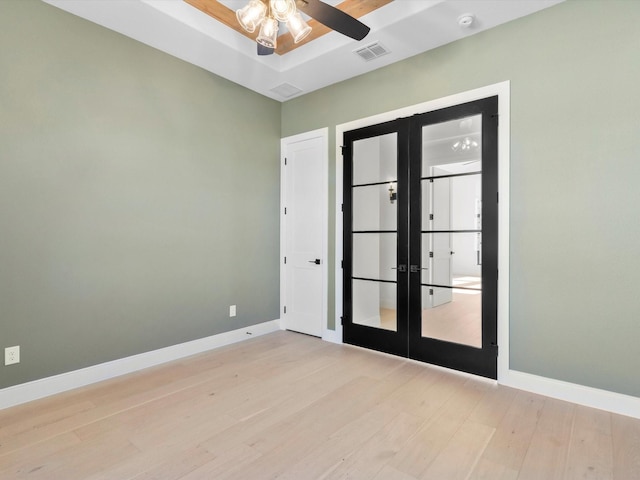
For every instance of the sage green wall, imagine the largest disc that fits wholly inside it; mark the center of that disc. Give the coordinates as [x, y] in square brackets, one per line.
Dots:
[575, 174]
[134, 206]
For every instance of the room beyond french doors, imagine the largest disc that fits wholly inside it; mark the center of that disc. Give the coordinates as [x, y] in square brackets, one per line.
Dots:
[421, 237]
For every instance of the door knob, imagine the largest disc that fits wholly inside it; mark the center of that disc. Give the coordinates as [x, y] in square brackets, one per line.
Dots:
[316, 261]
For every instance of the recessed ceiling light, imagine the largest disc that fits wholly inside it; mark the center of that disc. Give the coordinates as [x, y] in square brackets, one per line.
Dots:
[466, 20]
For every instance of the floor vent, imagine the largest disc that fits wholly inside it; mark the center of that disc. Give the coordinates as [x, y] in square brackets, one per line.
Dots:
[286, 90]
[372, 51]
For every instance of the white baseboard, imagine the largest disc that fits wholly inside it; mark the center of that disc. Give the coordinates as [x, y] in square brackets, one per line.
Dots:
[26, 392]
[45, 387]
[574, 393]
[570, 392]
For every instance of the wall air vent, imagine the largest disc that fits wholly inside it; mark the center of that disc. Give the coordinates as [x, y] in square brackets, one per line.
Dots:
[371, 51]
[286, 90]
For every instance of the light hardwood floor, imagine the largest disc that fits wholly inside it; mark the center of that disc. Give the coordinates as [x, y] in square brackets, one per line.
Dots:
[459, 321]
[290, 406]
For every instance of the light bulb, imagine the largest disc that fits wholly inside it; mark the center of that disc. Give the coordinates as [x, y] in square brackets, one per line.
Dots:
[251, 15]
[282, 9]
[268, 33]
[298, 27]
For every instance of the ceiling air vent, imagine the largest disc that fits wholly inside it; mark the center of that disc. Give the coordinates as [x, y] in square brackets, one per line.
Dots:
[286, 90]
[372, 51]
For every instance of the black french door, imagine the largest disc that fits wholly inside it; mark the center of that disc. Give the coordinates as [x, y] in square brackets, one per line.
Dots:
[376, 213]
[421, 237]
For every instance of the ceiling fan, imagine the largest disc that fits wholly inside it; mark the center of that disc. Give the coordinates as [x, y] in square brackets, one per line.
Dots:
[268, 13]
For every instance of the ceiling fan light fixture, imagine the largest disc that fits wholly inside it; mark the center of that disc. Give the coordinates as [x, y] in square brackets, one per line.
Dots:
[268, 35]
[282, 9]
[251, 15]
[269, 13]
[298, 27]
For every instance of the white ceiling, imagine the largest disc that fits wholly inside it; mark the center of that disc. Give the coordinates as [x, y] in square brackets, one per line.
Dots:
[405, 27]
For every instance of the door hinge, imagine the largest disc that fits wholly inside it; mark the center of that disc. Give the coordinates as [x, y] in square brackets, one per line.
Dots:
[341, 320]
[285, 210]
[343, 149]
[285, 161]
[430, 254]
[341, 263]
[497, 118]
[494, 346]
[285, 309]
[431, 216]
[285, 260]
[342, 207]
[431, 291]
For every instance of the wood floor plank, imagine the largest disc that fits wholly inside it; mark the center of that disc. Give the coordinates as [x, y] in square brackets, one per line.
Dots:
[461, 454]
[10, 462]
[418, 395]
[508, 447]
[547, 453]
[489, 470]
[450, 402]
[246, 430]
[590, 454]
[341, 445]
[389, 472]
[228, 463]
[626, 447]
[292, 407]
[177, 466]
[40, 419]
[494, 405]
[107, 411]
[371, 457]
[297, 442]
[76, 462]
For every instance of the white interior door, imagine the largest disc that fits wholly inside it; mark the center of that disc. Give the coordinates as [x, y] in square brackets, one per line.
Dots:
[304, 232]
[440, 271]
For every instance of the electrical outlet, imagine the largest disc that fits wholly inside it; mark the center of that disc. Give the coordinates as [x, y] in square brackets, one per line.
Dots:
[232, 311]
[12, 355]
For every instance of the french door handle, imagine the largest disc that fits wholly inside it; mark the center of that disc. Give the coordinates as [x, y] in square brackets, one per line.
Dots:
[316, 261]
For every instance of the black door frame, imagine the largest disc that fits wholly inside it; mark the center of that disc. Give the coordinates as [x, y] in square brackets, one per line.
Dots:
[407, 340]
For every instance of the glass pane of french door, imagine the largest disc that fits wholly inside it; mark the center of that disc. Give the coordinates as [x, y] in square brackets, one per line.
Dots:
[451, 231]
[375, 231]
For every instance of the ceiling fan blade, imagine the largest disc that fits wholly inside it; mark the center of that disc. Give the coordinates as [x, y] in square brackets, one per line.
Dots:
[333, 18]
[262, 50]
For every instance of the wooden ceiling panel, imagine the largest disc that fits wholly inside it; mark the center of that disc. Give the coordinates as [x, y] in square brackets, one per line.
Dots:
[223, 14]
